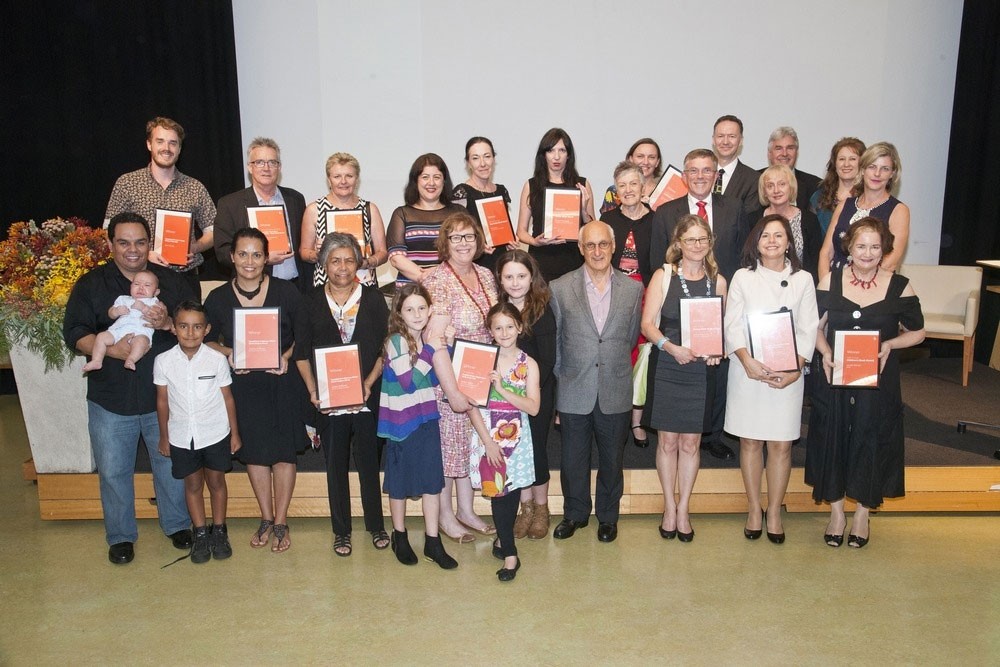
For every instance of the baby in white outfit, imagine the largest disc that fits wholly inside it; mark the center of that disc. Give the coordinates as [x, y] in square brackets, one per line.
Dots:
[128, 312]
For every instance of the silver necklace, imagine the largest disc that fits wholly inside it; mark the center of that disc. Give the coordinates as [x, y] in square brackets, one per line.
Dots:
[684, 285]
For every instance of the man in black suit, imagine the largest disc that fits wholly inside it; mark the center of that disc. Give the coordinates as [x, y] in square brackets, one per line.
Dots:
[783, 148]
[726, 218]
[264, 167]
[735, 180]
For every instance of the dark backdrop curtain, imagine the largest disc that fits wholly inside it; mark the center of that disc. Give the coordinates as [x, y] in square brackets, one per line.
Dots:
[79, 81]
[971, 226]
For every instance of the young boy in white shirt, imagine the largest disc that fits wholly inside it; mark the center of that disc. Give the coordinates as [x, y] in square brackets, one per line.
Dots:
[198, 431]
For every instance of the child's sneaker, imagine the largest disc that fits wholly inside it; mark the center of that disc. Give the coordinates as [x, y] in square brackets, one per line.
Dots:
[220, 543]
[200, 550]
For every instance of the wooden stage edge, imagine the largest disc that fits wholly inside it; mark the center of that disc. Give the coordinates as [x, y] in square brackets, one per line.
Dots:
[938, 489]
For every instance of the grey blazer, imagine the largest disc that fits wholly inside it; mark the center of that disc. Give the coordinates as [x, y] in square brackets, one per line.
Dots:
[595, 368]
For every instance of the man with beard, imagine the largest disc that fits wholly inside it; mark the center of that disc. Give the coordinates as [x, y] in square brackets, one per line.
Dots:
[160, 185]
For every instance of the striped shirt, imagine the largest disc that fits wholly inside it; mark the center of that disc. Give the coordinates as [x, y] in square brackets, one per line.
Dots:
[413, 232]
[407, 399]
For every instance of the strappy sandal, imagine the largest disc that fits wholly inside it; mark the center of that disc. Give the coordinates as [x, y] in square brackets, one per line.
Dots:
[281, 540]
[341, 543]
[263, 534]
[380, 539]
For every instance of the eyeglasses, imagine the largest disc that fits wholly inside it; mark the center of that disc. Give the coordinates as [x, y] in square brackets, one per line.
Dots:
[260, 164]
[458, 238]
[590, 246]
[701, 240]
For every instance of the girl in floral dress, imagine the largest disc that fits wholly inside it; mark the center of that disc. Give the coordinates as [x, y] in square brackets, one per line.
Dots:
[502, 459]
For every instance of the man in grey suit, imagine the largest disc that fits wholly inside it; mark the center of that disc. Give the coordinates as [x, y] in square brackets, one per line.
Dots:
[264, 167]
[726, 218]
[734, 179]
[783, 148]
[597, 312]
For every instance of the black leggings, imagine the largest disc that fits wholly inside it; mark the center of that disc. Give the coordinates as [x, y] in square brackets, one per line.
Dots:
[504, 512]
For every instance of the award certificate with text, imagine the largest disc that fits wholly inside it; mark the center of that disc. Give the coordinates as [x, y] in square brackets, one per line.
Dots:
[172, 238]
[855, 358]
[668, 188]
[271, 221]
[562, 214]
[701, 326]
[473, 362]
[495, 217]
[256, 338]
[772, 340]
[338, 377]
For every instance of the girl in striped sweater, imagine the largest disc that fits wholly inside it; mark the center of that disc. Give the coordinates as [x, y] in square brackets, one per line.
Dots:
[408, 420]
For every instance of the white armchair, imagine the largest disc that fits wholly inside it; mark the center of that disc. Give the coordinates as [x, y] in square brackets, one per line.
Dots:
[949, 297]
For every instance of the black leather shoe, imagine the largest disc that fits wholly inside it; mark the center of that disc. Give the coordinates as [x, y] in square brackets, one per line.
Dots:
[718, 450]
[755, 534]
[496, 550]
[182, 539]
[508, 574]
[607, 532]
[667, 534]
[121, 553]
[685, 537]
[567, 527]
[642, 441]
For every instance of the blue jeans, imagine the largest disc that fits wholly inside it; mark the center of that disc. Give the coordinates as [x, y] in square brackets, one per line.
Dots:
[114, 439]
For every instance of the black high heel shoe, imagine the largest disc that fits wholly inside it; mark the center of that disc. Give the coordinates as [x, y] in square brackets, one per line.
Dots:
[642, 443]
[775, 538]
[834, 540]
[755, 534]
[856, 541]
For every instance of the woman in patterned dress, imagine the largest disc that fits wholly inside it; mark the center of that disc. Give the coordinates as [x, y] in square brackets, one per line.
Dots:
[462, 293]
[343, 172]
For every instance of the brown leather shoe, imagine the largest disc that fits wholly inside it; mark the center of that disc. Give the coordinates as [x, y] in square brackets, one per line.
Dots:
[524, 519]
[539, 527]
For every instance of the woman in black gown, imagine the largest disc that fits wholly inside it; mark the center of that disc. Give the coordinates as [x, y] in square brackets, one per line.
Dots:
[271, 405]
[855, 443]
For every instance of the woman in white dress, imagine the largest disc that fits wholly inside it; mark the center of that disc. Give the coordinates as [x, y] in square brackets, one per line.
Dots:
[764, 405]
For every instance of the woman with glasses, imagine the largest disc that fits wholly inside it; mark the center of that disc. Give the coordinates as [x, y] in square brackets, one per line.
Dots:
[343, 176]
[873, 196]
[462, 293]
[777, 191]
[683, 386]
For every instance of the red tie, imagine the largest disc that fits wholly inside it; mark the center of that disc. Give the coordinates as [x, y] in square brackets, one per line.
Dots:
[702, 213]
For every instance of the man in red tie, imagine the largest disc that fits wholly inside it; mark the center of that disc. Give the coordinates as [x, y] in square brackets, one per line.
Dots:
[725, 217]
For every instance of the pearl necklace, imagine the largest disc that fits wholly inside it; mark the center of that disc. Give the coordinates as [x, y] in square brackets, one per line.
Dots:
[684, 286]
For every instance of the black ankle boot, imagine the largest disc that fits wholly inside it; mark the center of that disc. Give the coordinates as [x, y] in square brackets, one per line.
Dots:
[400, 544]
[434, 551]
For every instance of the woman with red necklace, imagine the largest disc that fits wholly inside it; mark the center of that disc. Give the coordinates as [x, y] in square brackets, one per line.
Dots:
[462, 293]
[855, 443]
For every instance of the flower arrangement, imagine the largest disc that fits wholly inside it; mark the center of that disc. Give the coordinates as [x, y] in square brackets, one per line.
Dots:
[39, 264]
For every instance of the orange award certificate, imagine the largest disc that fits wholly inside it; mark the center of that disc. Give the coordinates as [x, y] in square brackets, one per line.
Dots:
[172, 236]
[472, 363]
[256, 338]
[271, 221]
[855, 358]
[349, 222]
[670, 186]
[701, 326]
[562, 214]
[772, 340]
[338, 377]
[495, 220]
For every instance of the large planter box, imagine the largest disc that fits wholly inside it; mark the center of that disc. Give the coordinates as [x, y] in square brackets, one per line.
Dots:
[54, 405]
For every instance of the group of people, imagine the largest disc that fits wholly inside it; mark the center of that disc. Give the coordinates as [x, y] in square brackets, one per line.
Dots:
[569, 317]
